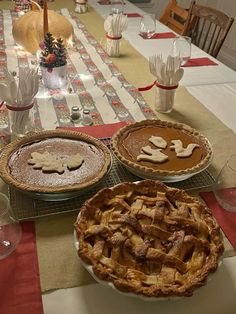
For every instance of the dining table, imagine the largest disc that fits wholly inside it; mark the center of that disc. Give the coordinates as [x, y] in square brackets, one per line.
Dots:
[44, 273]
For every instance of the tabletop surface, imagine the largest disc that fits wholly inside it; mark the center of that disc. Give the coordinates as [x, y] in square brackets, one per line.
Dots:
[207, 103]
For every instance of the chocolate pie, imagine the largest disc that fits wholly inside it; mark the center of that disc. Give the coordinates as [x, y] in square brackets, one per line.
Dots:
[155, 148]
[149, 239]
[54, 161]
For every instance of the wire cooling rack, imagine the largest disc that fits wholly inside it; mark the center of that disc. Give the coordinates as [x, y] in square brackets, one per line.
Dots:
[26, 208]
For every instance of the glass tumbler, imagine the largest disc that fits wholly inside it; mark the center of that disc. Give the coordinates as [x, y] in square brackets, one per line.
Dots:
[164, 98]
[21, 119]
[225, 187]
[10, 230]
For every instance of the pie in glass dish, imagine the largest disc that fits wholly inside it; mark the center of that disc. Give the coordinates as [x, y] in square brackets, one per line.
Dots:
[155, 149]
[148, 239]
[54, 162]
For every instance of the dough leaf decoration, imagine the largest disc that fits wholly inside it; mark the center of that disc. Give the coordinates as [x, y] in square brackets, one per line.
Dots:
[74, 162]
[47, 162]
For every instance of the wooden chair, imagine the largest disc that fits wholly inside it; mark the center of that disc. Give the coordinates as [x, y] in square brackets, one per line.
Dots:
[208, 28]
[175, 17]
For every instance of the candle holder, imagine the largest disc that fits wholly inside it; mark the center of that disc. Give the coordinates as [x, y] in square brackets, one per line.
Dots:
[56, 78]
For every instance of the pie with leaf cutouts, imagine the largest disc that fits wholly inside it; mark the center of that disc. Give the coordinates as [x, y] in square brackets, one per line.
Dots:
[57, 161]
[149, 239]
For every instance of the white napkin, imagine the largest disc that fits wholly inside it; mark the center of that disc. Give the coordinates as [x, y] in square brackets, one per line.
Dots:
[81, 6]
[114, 25]
[23, 92]
[19, 94]
[168, 74]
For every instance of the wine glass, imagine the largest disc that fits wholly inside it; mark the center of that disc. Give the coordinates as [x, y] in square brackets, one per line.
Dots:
[117, 6]
[225, 187]
[10, 230]
[147, 25]
[182, 48]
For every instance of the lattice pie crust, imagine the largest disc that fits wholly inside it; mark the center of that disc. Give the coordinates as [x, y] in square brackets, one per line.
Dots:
[149, 239]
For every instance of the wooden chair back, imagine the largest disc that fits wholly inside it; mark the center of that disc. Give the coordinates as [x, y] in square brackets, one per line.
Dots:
[175, 17]
[208, 28]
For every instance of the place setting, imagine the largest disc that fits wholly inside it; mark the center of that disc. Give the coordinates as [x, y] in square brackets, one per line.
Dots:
[147, 29]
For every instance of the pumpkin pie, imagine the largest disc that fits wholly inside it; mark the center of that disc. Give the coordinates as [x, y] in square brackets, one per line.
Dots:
[149, 239]
[156, 149]
[54, 161]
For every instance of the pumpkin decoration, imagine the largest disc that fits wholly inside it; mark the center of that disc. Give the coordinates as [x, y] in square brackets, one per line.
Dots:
[28, 30]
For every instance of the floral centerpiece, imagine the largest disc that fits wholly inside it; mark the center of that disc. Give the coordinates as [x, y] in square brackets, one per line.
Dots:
[53, 61]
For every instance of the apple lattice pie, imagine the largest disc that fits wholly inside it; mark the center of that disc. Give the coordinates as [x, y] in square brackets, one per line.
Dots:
[149, 239]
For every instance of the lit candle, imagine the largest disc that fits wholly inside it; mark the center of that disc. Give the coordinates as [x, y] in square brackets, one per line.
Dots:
[45, 17]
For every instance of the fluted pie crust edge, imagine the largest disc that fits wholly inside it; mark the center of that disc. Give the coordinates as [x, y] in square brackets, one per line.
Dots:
[34, 137]
[145, 170]
[197, 236]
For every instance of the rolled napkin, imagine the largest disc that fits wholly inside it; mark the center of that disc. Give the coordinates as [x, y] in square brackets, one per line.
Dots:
[81, 6]
[19, 98]
[168, 74]
[114, 25]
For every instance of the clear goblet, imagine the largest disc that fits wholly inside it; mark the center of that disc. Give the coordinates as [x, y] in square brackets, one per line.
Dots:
[117, 6]
[225, 187]
[147, 25]
[10, 230]
[182, 48]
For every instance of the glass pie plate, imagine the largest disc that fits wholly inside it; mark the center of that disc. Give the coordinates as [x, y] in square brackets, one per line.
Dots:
[163, 178]
[134, 147]
[18, 172]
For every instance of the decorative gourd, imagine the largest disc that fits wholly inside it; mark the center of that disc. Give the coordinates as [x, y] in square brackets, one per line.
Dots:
[28, 29]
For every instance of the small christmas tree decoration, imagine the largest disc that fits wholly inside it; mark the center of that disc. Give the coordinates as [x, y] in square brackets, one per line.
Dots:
[53, 52]
[53, 62]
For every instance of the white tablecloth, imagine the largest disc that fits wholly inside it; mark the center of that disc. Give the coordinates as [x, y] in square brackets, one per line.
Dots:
[220, 99]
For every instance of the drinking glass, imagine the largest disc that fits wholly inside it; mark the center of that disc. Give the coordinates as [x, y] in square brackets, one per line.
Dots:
[10, 230]
[147, 25]
[225, 187]
[117, 6]
[182, 48]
